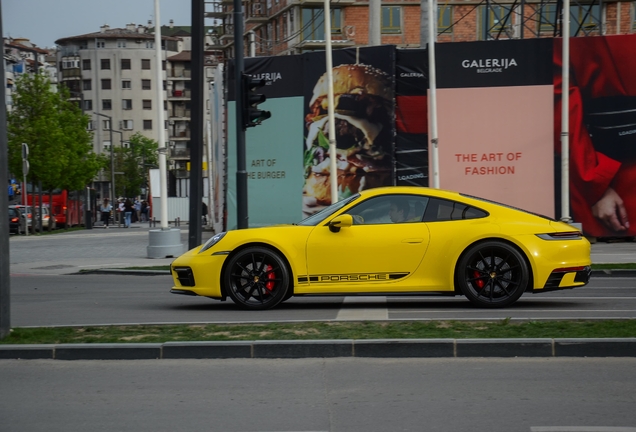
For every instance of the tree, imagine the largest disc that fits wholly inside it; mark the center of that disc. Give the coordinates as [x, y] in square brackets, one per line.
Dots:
[60, 147]
[133, 162]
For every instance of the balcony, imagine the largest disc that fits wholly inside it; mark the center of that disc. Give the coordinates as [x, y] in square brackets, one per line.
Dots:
[179, 95]
[181, 173]
[256, 13]
[180, 113]
[75, 73]
[215, 10]
[180, 154]
[180, 135]
[183, 74]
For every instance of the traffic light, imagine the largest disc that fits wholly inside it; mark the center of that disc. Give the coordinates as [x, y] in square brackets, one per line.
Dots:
[252, 116]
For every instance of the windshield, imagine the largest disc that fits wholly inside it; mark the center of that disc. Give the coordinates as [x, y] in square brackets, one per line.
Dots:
[316, 218]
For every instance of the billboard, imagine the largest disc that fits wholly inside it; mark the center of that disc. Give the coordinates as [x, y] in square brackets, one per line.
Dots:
[602, 130]
[495, 121]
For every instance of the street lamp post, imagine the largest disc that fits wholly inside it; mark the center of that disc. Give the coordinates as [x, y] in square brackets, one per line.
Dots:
[112, 155]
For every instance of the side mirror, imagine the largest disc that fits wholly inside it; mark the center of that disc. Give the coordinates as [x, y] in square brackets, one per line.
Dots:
[342, 221]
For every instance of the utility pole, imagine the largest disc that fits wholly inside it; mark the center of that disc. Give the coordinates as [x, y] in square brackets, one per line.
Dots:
[196, 125]
[5, 281]
[239, 66]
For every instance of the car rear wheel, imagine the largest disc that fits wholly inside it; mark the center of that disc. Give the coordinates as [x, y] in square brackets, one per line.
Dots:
[492, 274]
[257, 278]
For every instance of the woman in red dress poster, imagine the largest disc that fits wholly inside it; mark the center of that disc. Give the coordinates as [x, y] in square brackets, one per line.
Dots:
[602, 132]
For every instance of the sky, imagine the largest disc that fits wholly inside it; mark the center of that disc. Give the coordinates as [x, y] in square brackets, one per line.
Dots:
[45, 21]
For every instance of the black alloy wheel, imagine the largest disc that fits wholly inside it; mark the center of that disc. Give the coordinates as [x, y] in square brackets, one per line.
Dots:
[492, 274]
[257, 278]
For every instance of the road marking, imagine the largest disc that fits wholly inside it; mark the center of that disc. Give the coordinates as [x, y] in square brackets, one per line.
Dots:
[354, 313]
[581, 429]
[463, 311]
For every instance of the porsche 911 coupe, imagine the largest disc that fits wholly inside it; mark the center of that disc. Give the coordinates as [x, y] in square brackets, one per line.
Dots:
[391, 241]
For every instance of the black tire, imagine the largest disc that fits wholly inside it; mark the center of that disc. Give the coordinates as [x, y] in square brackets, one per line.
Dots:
[256, 278]
[492, 274]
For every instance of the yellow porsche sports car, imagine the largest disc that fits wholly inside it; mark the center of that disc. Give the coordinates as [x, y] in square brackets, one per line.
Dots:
[387, 241]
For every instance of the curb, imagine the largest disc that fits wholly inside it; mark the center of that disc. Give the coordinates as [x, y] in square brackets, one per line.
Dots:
[369, 348]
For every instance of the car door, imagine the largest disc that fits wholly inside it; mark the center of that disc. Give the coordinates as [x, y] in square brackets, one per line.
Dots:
[371, 253]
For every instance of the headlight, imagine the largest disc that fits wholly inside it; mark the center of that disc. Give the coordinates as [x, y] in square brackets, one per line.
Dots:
[214, 240]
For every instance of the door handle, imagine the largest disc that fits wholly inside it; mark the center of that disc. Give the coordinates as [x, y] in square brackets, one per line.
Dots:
[413, 240]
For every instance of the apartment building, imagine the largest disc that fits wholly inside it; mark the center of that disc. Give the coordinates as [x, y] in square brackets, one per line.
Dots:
[281, 27]
[21, 56]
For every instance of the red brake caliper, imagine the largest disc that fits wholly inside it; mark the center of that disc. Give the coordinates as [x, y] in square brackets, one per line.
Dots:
[479, 280]
[270, 276]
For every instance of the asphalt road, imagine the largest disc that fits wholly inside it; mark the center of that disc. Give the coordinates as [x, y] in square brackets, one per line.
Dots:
[93, 299]
[341, 394]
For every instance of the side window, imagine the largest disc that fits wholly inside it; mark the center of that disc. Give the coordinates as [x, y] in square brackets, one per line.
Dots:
[445, 210]
[389, 209]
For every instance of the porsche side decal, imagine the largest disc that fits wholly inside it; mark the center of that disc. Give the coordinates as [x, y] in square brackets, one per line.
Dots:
[352, 277]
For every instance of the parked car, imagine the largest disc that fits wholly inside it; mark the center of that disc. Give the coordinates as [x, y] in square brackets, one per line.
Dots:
[47, 219]
[16, 221]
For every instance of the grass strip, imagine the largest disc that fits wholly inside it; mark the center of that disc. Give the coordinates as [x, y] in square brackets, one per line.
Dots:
[324, 330]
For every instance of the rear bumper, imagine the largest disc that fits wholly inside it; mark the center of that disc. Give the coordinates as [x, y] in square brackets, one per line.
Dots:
[567, 278]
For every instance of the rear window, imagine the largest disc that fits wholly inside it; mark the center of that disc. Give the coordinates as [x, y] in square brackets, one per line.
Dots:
[509, 206]
[446, 210]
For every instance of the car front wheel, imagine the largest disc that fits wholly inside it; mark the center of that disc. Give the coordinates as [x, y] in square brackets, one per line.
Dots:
[492, 274]
[257, 278]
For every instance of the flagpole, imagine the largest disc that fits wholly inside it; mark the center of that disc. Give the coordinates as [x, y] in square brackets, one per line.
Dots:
[432, 98]
[565, 114]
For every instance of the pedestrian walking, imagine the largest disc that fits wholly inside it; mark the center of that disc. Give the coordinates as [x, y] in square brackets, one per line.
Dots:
[11, 192]
[105, 209]
[128, 211]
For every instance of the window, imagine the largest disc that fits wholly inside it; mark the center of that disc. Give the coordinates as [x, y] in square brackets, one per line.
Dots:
[107, 104]
[150, 44]
[445, 210]
[90, 126]
[106, 84]
[389, 209]
[145, 84]
[100, 43]
[584, 19]
[86, 64]
[126, 104]
[499, 19]
[125, 84]
[548, 17]
[125, 64]
[106, 124]
[313, 23]
[391, 19]
[88, 104]
[87, 85]
[145, 64]
[105, 64]
[106, 145]
[121, 43]
[147, 104]
[70, 64]
[147, 124]
[444, 18]
[125, 144]
[126, 124]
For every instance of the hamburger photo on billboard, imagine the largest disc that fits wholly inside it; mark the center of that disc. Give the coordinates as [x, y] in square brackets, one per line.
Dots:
[363, 99]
